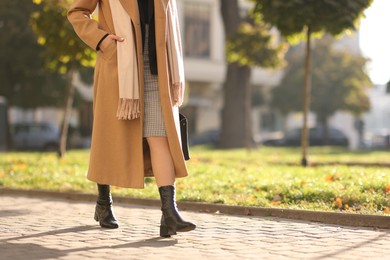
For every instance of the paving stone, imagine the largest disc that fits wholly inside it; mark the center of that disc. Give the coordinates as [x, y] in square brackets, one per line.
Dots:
[62, 229]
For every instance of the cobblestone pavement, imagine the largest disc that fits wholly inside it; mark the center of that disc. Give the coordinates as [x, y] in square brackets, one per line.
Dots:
[45, 228]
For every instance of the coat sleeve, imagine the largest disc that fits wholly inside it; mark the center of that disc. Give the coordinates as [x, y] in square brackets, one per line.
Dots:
[80, 16]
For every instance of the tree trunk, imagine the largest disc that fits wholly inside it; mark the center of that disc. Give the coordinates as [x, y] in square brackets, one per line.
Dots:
[326, 131]
[236, 123]
[323, 123]
[10, 142]
[249, 141]
[306, 99]
[67, 114]
[236, 129]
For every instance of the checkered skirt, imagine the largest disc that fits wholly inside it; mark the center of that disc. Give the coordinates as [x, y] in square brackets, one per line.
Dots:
[153, 121]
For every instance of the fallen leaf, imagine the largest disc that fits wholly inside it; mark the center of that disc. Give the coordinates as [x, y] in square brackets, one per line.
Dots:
[338, 203]
[331, 177]
[19, 166]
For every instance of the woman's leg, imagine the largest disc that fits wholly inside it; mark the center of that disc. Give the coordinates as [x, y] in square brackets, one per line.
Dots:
[162, 163]
[164, 172]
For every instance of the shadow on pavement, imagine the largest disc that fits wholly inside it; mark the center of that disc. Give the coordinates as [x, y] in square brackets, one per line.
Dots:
[28, 251]
[14, 249]
[13, 213]
[34, 252]
[152, 242]
[53, 232]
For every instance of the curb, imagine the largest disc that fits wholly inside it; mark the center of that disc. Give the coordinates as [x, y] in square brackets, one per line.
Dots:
[334, 218]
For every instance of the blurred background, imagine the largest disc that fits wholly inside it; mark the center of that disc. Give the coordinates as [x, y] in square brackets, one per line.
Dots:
[238, 93]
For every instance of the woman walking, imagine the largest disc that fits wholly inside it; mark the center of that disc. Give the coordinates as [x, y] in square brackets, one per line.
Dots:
[138, 87]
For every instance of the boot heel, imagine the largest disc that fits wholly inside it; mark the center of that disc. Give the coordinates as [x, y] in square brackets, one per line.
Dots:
[164, 231]
[96, 217]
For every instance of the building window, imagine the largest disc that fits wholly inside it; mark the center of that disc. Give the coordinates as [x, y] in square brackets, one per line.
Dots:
[197, 30]
[268, 121]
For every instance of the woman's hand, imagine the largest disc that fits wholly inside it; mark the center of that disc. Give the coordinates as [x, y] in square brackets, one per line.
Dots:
[103, 45]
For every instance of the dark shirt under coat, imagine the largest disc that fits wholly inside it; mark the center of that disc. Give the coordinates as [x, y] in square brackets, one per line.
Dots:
[146, 10]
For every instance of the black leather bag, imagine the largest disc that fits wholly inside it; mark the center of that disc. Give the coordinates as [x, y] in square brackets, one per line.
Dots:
[184, 136]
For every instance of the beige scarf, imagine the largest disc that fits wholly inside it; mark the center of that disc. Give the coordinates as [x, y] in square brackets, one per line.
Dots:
[129, 90]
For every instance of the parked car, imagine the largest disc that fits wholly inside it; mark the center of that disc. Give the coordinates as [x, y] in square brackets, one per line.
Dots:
[212, 137]
[377, 139]
[35, 136]
[316, 138]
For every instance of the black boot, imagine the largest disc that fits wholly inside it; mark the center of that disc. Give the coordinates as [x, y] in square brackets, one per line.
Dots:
[171, 221]
[104, 213]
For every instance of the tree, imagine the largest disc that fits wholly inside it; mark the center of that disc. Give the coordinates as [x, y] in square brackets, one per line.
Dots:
[339, 83]
[24, 81]
[249, 44]
[65, 53]
[295, 17]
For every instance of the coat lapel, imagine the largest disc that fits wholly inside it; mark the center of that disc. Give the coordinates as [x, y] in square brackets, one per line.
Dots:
[131, 7]
[160, 9]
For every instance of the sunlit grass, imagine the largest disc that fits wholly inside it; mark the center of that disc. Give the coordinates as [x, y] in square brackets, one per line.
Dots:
[266, 177]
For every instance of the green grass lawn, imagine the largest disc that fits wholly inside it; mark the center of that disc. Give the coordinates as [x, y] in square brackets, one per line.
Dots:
[266, 177]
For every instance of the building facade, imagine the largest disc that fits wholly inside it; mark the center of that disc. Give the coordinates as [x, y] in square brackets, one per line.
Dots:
[205, 65]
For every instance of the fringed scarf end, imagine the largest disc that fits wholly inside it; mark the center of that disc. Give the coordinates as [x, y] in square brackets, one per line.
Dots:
[128, 109]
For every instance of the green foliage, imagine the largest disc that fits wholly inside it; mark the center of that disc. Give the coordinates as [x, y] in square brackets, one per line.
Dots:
[293, 16]
[254, 45]
[23, 78]
[233, 177]
[338, 78]
[64, 49]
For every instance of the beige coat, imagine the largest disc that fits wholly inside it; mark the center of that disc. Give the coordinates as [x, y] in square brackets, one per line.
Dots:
[119, 155]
